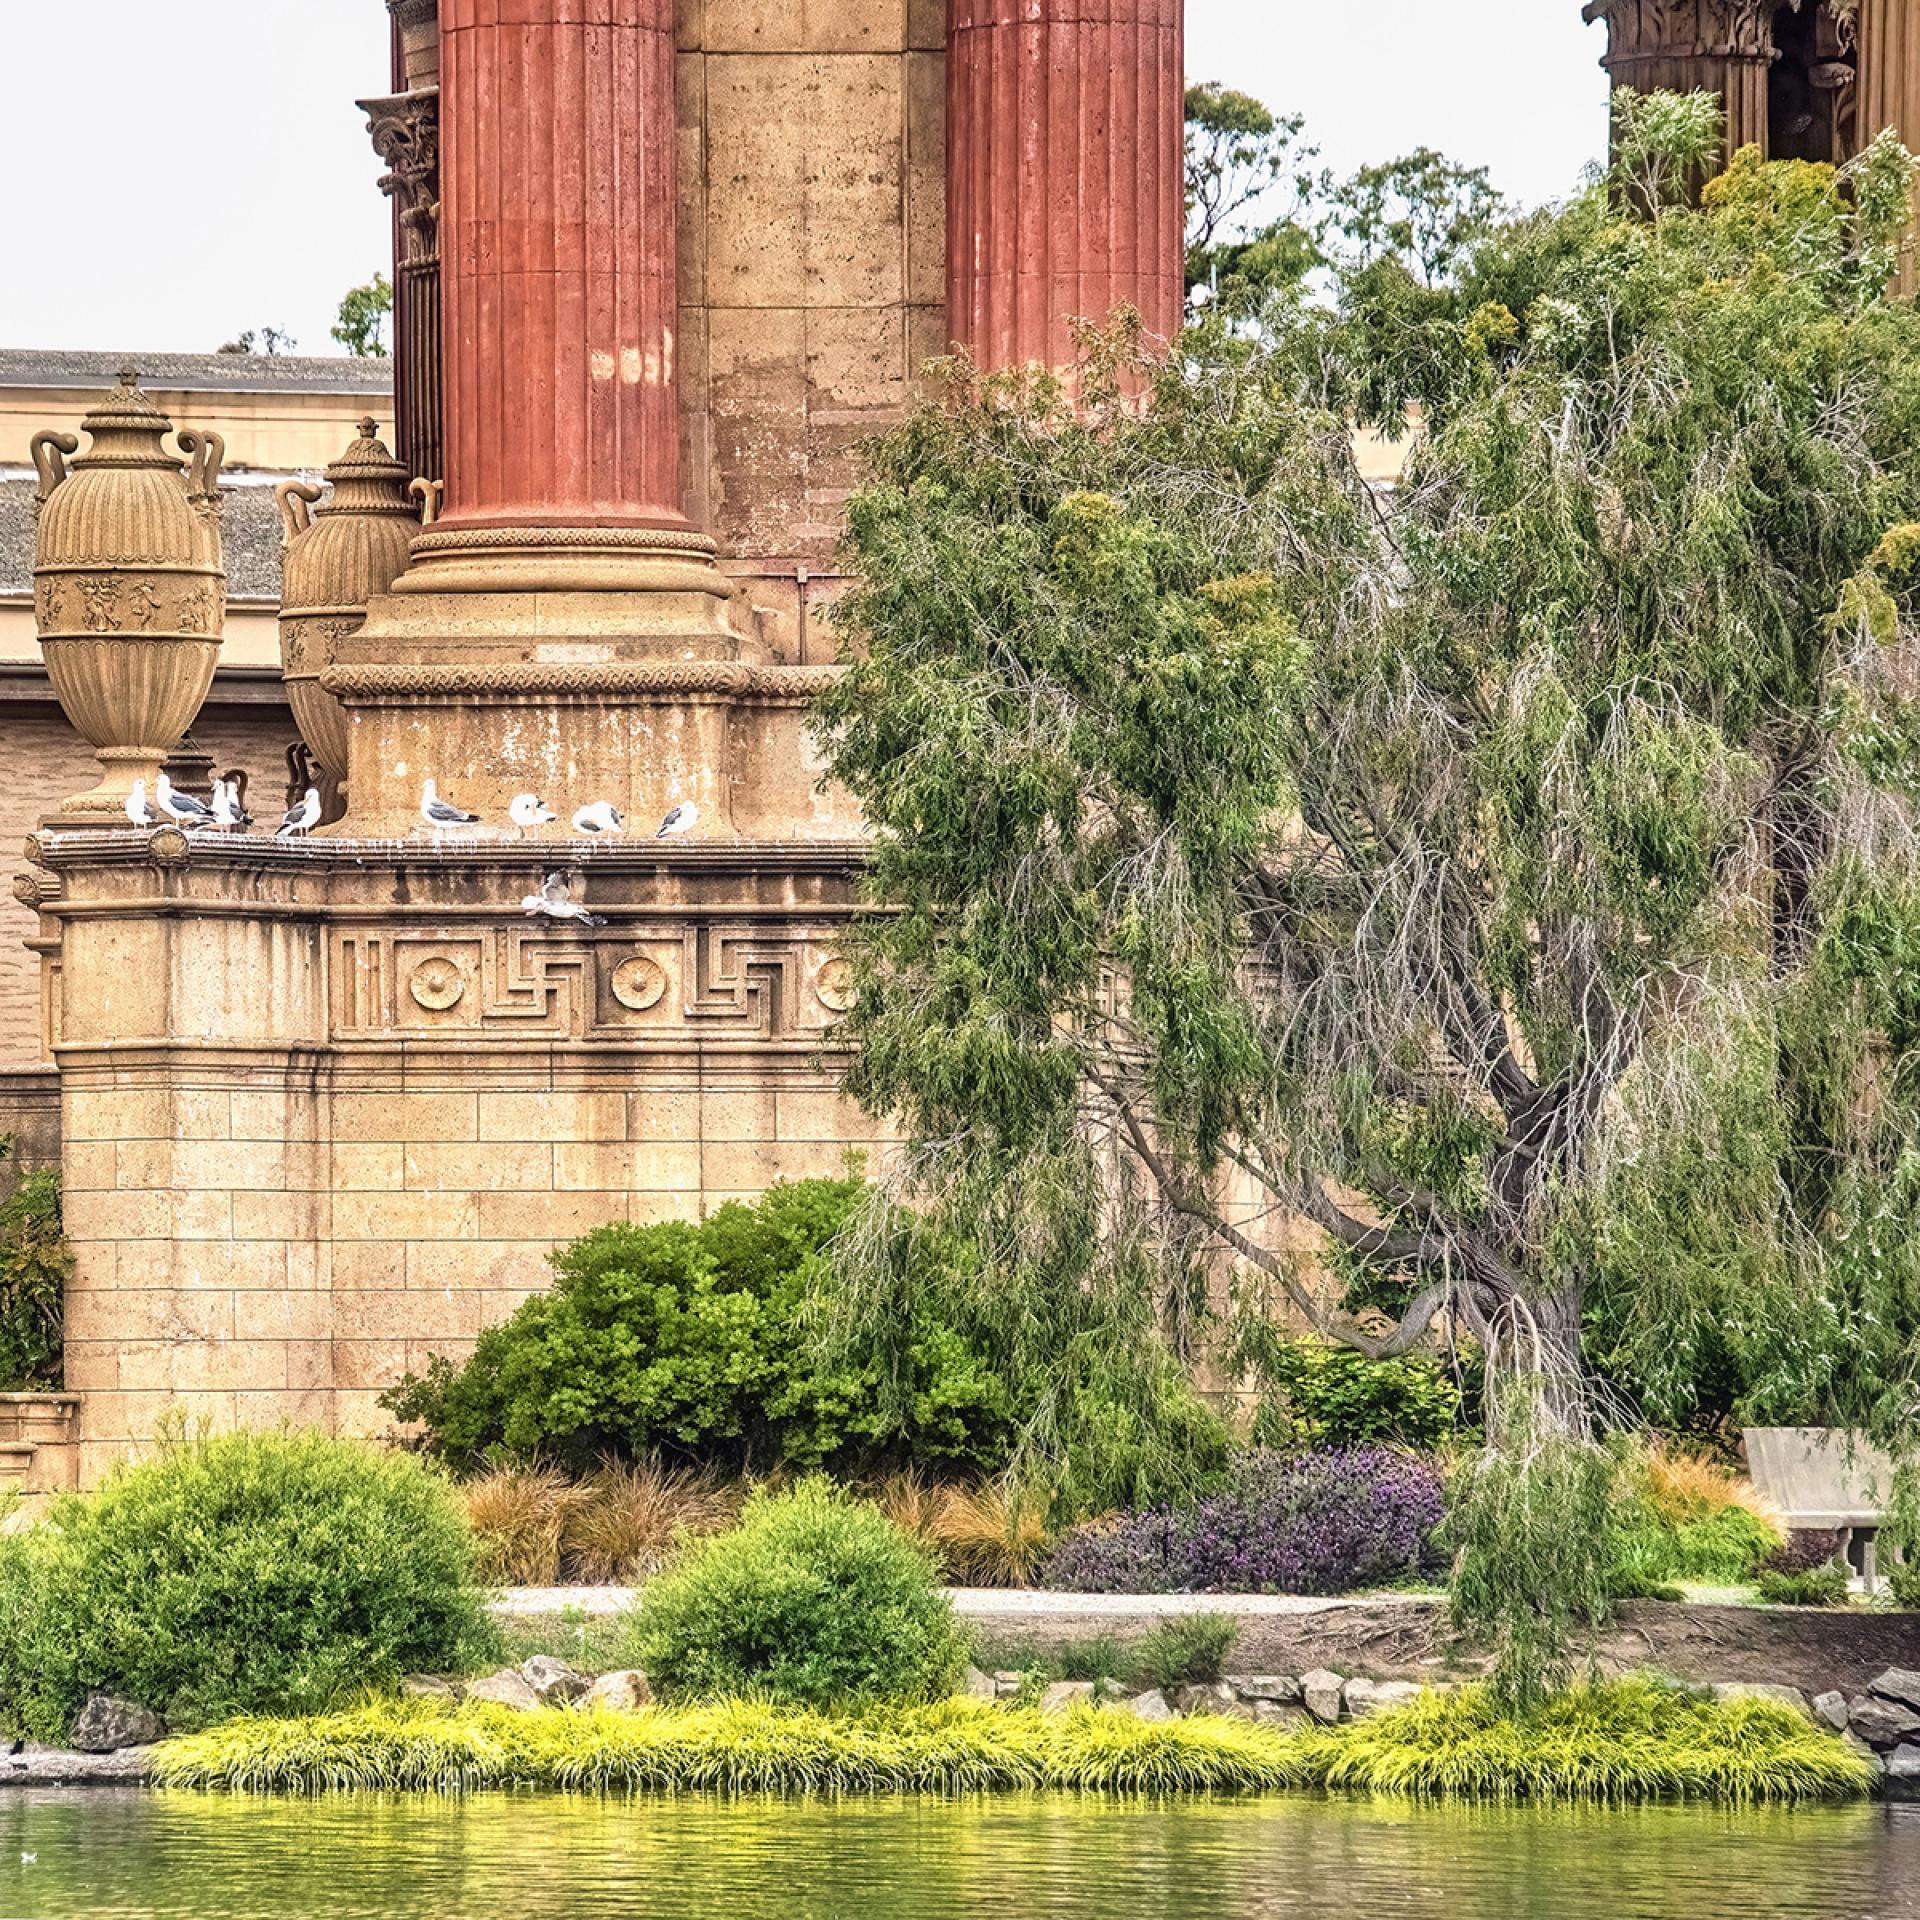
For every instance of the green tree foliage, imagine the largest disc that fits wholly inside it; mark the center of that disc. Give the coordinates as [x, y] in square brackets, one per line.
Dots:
[1421, 211]
[707, 1340]
[35, 1265]
[815, 1600]
[1252, 212]
[365, 313]
[249, 1573]
[1505, 876]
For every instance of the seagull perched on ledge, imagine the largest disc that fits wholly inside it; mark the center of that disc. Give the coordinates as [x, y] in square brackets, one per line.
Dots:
[529, 810]
[601, 816]
[227, 810]
[443, 813]
[138, 811]
[301, 819]
[181, 808]
[683, 819]
[555, 902]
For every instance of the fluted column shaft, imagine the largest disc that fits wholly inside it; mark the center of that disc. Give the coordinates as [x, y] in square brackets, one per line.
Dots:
[1889, 96]
[558, 242]
[1716, 46]
[1065, 183]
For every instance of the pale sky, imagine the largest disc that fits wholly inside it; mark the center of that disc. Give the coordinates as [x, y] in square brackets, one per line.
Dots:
[184, 169]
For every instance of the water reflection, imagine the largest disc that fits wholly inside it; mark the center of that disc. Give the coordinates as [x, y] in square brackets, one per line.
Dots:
[115, 1855]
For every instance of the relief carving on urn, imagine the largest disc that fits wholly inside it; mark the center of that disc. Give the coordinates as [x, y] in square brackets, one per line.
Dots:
[338, 557]
[129, 589]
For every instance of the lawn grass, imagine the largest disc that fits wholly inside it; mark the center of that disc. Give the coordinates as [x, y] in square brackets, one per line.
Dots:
[592, 1642]
[1625, 1742]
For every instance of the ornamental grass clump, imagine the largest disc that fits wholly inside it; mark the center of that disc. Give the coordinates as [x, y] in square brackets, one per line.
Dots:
[814, 1599]
[733, 1746]
[1328, 1522]
[1625, 1741]
[243, 1573]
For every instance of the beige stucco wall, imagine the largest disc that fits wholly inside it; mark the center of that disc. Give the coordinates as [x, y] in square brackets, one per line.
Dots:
[271, 431]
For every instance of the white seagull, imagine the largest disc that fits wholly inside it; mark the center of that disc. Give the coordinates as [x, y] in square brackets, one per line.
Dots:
[227, 811]
[529, 810]
[443, 813]
[554, 902]
[301, 819]
[138, 811]
[602, 816]
[181, 808]
[683, 819]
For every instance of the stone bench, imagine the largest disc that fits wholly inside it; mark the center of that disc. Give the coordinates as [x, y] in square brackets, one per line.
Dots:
[1824, 1480]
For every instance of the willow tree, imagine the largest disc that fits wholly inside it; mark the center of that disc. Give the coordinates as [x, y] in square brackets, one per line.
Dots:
[1511, 876]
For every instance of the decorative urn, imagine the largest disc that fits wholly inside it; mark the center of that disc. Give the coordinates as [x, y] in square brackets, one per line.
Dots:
[338, 557]
[129, 590]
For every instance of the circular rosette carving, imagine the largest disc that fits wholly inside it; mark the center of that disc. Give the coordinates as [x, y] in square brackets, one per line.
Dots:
[26, 889]
[437, 984]
[833, 985]
[639, 983]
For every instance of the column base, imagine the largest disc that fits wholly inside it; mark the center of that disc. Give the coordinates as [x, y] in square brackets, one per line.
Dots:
[580, 665]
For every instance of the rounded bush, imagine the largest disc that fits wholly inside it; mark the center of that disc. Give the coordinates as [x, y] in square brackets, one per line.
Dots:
[814, 1599]
[244, 1573]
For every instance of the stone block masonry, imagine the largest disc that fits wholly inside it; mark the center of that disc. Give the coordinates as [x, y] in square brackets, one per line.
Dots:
[315, 1136]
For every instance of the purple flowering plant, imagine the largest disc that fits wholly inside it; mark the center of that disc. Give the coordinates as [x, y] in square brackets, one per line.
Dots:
[1322, 1522]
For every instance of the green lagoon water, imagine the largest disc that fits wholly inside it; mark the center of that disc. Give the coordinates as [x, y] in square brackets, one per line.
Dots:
[115, 1854]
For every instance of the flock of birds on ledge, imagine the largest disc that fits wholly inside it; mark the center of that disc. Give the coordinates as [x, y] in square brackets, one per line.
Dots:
[526, 811]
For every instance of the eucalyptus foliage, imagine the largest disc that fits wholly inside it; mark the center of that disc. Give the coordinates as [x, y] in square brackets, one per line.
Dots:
[1486, 903]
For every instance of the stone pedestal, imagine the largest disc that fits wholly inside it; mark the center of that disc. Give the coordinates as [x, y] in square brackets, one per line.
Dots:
[327, 1106]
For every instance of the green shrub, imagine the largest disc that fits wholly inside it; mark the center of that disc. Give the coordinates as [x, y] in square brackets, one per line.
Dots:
[689, 1337]
[1824, 1586]
[1903, 1583]
[1683, 1518]
[35, 1265]
[1325, 1396]
[241, 1574]
[1187, 1647]
[815, 1599]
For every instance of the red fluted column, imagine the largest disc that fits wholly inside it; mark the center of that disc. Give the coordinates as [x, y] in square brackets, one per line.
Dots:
[1065, 187]
[558, 241]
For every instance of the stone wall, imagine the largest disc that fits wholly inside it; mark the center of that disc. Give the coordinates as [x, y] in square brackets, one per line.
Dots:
[812, 271]
[43, 761]
[327, 1110]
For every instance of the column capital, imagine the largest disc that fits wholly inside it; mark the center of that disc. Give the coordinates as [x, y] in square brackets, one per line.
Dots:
[1684, 29]
[405, 129]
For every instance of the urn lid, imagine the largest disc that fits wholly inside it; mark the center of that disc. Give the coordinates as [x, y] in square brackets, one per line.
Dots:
[126, 429]
[368, 479]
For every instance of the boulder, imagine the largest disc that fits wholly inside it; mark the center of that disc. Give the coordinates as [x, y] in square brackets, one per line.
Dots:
[1150, 1706]
[1866, 1753]
[554, 1682]
[1900, 1685]
[106, 1723]
[1320, 1690]
[980, 1686]
[1830, 1709]
[1208, 1696]
[1903, 1763]
[623, 1691]
[1880, 1723]
[1066, 1693]
[429, 1686]
[507, 1688]
[1277, 1713]
[1760, 1690]
[1265, 1686]
[1006, 1683]
[1365, 1698]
